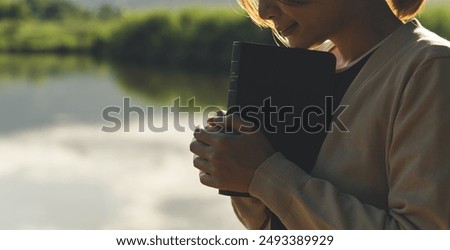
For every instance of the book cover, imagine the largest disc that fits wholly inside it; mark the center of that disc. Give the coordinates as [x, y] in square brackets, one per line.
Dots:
[282, 91]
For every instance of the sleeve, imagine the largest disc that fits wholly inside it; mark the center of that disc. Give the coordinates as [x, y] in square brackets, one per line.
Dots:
[252, 213]
[418, 171]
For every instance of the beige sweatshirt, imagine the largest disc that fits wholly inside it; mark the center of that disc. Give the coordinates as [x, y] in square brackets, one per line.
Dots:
[392, 169]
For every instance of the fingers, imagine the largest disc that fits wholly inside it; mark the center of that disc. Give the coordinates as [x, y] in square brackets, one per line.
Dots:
[217, 120]
[232, 124]
[203, 165]
[221, 113]
[206, 169]
[199, 148]
[204, 139]
[207, 179]
[209, 135]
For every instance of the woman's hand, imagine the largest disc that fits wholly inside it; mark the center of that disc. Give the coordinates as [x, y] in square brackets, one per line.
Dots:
[228, 152]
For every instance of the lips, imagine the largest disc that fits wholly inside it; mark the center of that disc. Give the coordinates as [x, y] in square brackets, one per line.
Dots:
[288, 30]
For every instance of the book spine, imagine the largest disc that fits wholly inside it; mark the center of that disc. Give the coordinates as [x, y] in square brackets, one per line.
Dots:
[234, 74]
[232, 98]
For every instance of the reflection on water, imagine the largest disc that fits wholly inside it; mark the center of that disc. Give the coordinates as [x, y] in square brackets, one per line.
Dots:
[60, 171]
[163, 85]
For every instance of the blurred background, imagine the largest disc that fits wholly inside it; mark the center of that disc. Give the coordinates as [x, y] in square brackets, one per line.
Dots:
[63, 62]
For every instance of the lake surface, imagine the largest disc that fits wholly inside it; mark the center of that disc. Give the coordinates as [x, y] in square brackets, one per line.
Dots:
[59, 170]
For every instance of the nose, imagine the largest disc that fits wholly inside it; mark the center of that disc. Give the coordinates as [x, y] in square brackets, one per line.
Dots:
[267, 9]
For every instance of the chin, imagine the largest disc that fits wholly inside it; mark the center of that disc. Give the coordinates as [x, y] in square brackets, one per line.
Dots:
[298, 45]
[302, 44]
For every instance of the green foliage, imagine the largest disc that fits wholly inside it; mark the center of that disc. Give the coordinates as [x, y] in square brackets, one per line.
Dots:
[188, 38]
[107, 12]
[44, 36]
[52, 10]
[53, 26]
[55, 9]
[437, 19]
[10, 9]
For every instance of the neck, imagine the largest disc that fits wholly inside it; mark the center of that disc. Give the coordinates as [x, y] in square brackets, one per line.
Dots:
[363, 32]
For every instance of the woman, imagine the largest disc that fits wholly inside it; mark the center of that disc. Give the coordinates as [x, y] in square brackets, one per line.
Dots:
[392, 169]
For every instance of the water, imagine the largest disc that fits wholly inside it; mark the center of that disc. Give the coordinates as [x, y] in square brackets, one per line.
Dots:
[58, 170]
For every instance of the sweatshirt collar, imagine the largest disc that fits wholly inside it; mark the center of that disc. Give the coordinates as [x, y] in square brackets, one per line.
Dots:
[385, 52]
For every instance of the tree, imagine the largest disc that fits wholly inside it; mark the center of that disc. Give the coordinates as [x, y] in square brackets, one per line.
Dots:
[107, 11]
[10, 9]
[56, 9]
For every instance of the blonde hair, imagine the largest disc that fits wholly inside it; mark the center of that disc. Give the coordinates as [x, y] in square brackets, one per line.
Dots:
[405, 10]
[251, 7]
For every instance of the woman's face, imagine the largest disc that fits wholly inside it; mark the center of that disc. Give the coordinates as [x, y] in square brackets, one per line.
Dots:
[307, 23]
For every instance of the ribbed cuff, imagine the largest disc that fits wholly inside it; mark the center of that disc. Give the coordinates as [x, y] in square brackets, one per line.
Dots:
[276, 181]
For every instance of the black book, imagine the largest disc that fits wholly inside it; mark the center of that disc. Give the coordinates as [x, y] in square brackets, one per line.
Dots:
[283, 92]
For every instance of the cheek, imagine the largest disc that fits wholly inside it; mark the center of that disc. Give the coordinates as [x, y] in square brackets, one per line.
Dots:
[313, 33]
[318, 21]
